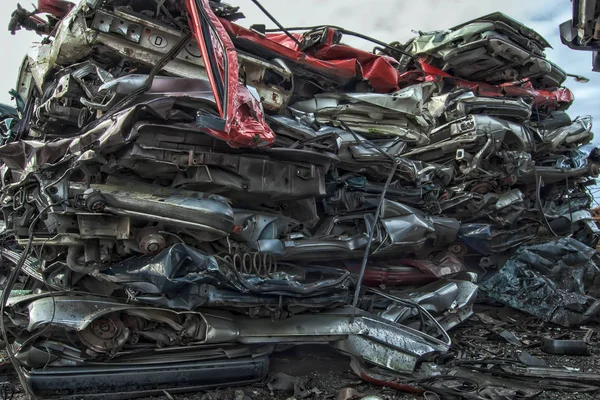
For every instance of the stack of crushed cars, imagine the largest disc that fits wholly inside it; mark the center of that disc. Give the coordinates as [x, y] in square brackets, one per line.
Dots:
[182, 196]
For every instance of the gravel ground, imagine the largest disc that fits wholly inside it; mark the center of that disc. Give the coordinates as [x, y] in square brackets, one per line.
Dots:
[324, 372]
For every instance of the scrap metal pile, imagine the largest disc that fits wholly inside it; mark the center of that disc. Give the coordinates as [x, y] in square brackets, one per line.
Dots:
[182, 195]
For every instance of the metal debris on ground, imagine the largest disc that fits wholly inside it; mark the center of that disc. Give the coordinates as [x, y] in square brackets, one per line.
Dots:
[565, 347]
[183, 198]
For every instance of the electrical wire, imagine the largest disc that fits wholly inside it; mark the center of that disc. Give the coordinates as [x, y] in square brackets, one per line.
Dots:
[371, 236]
[538, 185]
[5, 295]
[10, 282]
[49, 325]
[346, 32]
[377, 215]
[46, 188]
[367, 141]
[272, 18]
[422, 311]
[359, 140]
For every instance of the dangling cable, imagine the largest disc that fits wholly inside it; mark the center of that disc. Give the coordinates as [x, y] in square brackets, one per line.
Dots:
[10, 282]
[272, 18]
[371, 235]
[538, 188]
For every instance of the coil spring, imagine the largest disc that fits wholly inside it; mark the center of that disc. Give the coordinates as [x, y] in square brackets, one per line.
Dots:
[263, 265]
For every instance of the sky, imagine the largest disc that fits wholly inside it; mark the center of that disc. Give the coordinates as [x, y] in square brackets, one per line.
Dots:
[386, 20]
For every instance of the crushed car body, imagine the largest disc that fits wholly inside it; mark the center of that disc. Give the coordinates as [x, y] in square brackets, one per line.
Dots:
[183, 196]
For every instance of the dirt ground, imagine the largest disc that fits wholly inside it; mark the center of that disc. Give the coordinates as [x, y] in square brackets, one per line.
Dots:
[325, 372]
